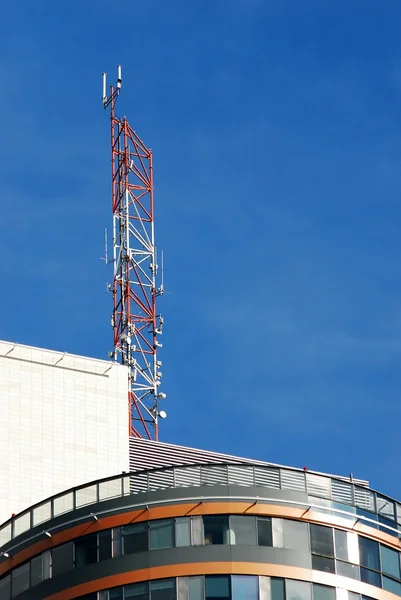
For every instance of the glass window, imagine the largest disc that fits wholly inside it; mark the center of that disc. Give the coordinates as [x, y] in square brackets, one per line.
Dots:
[386, 529]
[62, 559]
[340, 542]
[161, 534]
[322, 540]
[243, 530]
[370, 577]
[182, 588]
[392, 586]
[196, 588]
[348, 570]
[162, 589]
[322, 563]
[105, 544]
[135, 538]
[217, 586]
[277, 588]
[245, 587]
[323, 592]
[36, 570]
[104, 595]
[86, 550]
[369, 553]
[216, 530]
[47, 564]
[20, 579]
[365, 513]
[137, 591]
[183, 532]
[197, 531]
[265, 536]
[295, 535]
[264, 588]
[277, 533]
[390, 561]
[385, 507]
[117, 541]
[5, 587]
[116, 593]
[298, 590]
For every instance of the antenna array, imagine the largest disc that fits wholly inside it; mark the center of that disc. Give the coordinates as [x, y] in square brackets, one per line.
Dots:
[136, 324]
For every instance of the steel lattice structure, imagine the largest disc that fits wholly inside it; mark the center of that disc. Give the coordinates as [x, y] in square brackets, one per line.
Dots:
[135, 321]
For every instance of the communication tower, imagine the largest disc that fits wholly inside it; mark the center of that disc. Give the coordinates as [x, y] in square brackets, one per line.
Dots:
[136, 323]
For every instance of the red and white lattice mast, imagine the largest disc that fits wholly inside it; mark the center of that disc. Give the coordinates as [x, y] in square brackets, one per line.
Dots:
[136, 324]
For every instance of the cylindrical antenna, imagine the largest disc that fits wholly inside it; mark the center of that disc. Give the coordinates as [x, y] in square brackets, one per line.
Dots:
[104, 98]
[119, 76]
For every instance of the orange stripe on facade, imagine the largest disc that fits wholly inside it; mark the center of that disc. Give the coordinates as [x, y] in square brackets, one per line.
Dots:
[192, 509]
[223, 568]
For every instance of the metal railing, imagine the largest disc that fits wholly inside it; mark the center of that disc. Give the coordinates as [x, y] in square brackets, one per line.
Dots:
[339, 494]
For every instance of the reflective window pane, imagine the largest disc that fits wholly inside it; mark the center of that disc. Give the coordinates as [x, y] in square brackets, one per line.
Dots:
[135, 538]
[370, 577]
[217, 586]
[265, 537]
[161, 534]
[162, 589]
[216, 530]
[392, 586]
[36, 570]
[348, 570]
[264, 588]
[104, 545]
[182, 588]
[323, 592]
[86, 550]
[47, 564]
[277, 588]
[117, 541]
[322, 563]
[20, 579]
[245, 587]
[340, 542]
[296, 535]
[196, 531]
[183, 532]
[137, 591]
[390, 560]
[243, 530]
[322, 540]
[385, 507]
[195, 588]
[116, 593]
[298, 590]
[5, 587]
[62, 559]
[369, 553]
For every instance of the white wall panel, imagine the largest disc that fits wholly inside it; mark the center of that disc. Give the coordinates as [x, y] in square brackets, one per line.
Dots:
[63, 422]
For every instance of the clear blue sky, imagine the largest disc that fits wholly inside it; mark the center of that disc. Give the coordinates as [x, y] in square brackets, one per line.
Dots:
[276, 132]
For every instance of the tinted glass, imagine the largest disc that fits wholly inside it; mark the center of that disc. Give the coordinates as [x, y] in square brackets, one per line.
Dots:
[62, 559]
[265, 537]
[277, 588]
[392, 586]
[295, 535]
[195, 588]
[197, 531]
[322, 540]
[135, 538]
[322, 563]
[183, 532]
[243, 530]
[347, 570]
[390, 561]
[369, 553]
[20, 579]
[245, 587]
[298, 590]
[217, 586]
[161, 534]
[370, 577]
[137, 591]
[86, 550]
[36, 570]
[116, 541]
[216, 530]
[164, 589]
[47, 561]
[116, 593]
[365, 513]
[340, 540]
[104, 545]
[5, 587]
[323, 592]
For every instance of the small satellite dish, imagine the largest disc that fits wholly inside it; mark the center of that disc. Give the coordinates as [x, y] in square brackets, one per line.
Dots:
[162, 414]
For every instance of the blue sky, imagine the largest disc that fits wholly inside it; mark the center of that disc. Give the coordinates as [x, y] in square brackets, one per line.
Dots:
[276, 132]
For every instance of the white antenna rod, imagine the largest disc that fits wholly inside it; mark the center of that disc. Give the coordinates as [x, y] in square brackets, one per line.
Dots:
[104, 98]
[119, 76]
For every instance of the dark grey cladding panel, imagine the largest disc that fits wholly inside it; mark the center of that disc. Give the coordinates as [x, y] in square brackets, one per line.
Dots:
[170, 556]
